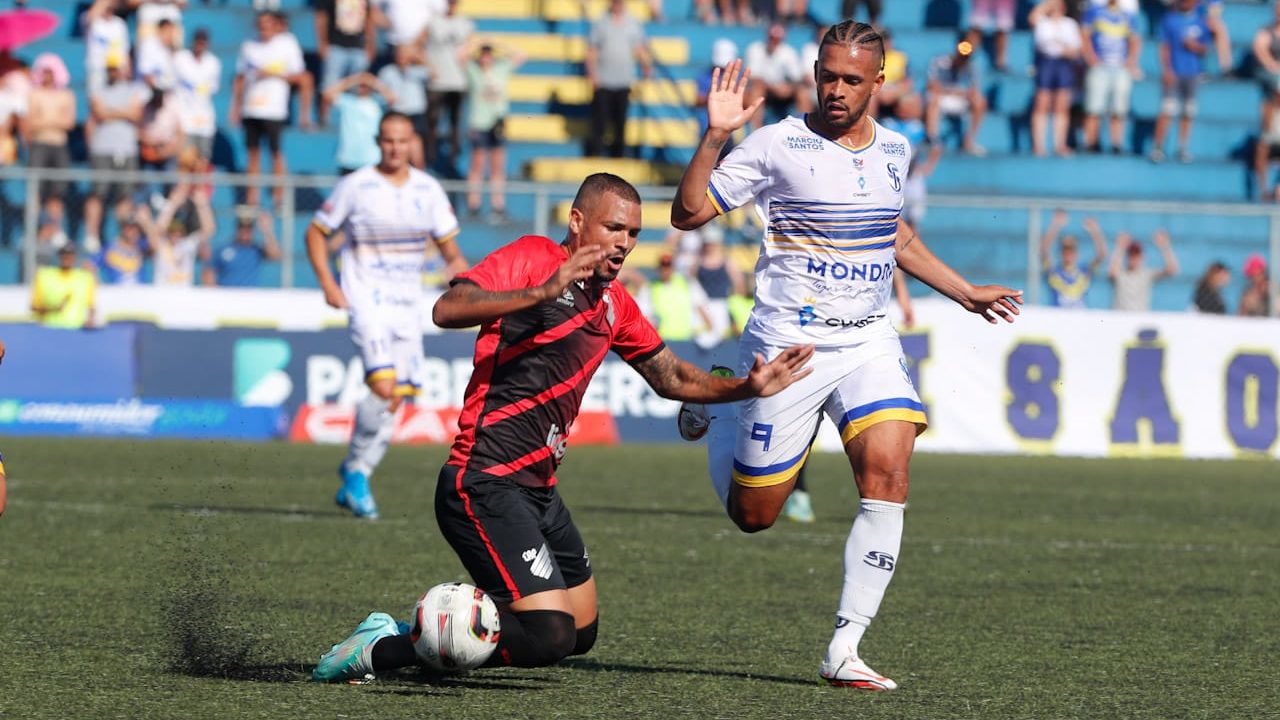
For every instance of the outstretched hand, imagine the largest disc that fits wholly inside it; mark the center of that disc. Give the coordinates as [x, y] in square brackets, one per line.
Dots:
[770, 378]
[725, 110]
[994, 302]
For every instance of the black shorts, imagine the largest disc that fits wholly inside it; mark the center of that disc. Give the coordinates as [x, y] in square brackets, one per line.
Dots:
[494, 137]
[514, 540]
[255, 129]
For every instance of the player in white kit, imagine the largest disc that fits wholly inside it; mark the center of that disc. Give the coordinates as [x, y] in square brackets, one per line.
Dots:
[389, 213]
[829, 186]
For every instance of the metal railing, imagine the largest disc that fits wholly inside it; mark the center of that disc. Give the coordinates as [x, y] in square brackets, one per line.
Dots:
[544, 194]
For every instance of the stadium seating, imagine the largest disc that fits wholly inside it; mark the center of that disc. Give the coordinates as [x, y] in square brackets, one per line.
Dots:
[550, 98]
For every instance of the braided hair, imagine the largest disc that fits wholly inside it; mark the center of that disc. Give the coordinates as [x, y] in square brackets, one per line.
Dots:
[855, 34]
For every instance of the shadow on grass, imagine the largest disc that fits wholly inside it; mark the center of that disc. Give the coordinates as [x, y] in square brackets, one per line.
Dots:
[222, 670]
[619, 510]
[594, 666]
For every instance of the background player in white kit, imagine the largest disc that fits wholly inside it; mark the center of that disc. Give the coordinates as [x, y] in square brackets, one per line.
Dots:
[830, 186]
[388, 212]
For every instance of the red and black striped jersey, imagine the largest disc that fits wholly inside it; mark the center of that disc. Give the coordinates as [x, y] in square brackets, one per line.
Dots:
[532, 367]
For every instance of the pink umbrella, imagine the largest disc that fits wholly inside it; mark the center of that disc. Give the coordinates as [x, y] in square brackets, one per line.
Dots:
[20, 27]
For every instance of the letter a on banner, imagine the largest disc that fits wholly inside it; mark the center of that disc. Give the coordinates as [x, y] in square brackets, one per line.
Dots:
[1143, 423]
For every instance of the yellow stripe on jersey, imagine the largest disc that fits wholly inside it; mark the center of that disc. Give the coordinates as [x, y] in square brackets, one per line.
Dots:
[712, 197]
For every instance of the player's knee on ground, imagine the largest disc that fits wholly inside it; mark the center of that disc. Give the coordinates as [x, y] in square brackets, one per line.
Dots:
[586, 638]
[536, 638]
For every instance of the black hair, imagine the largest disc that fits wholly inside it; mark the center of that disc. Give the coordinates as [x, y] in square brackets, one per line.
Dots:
[596, 185]
[393, 115]
[855, 34]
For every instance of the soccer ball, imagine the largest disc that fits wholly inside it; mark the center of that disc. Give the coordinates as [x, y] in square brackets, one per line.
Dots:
[455, 627]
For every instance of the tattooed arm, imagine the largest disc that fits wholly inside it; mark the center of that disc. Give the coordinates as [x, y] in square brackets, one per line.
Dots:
[467, 304]
[676, 379]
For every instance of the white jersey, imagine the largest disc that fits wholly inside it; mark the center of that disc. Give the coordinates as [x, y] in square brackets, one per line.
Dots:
[388, 229]
[266, 67]
[198, 81]
[825, 272]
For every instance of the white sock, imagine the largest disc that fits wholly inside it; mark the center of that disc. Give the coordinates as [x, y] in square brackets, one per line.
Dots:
[371, 435]
[870, 556]
[721, 438]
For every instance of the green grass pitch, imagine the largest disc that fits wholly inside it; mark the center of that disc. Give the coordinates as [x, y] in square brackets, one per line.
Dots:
[204, 579]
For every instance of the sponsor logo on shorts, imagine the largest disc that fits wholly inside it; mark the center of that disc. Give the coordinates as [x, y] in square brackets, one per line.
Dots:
[894, 148]
[881, 560]
[807, 144]
[539, 560]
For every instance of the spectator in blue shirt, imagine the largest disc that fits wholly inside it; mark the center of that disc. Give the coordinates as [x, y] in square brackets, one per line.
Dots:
[358, 116]
[240, 263]
[1184, 38]
[407, 79]
[1111, 50]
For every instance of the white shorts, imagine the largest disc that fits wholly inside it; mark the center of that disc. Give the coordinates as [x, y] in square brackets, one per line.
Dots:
[953, 103]
[390, 345]
[857, 387]
[1107, 89]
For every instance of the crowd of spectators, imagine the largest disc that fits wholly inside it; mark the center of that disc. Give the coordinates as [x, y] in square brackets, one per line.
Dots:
[151, 101]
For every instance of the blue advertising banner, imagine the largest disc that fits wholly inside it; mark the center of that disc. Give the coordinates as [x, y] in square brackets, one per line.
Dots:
[201, 419]
[54, 364]
[292, 369]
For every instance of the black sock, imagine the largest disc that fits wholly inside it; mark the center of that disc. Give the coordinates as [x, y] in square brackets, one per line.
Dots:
[533, 638]
[394, 651]
[586, 637]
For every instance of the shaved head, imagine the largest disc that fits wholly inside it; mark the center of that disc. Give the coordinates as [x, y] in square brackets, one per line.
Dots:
[600, 183]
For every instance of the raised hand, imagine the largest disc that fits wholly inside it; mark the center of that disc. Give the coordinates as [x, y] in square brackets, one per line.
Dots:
[769, 378]
[725, 109]
[994, 303]
[579, 266]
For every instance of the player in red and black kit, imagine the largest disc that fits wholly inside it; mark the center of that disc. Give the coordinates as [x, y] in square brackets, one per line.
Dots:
[548, 314]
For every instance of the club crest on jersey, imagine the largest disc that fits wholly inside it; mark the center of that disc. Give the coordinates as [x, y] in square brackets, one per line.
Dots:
[857, 164]
[894, 180]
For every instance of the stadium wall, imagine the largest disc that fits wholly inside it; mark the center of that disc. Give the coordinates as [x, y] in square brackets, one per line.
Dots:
[1057, 382]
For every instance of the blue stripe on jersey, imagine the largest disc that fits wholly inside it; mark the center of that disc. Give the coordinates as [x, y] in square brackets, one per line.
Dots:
[863, 233]
[719, 198]
[784, 240]
[829, 208]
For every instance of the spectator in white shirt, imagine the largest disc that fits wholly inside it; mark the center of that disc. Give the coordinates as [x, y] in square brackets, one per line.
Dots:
[175, 245]
[105, 33]
[266, 70]
[199, 76]
[406, 21]
[1058, 45]
[150, 13]
[776, 74]
[156, 56]
[448, 38]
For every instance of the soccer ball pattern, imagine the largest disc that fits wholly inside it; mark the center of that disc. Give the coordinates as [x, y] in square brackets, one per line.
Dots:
[455, 627]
